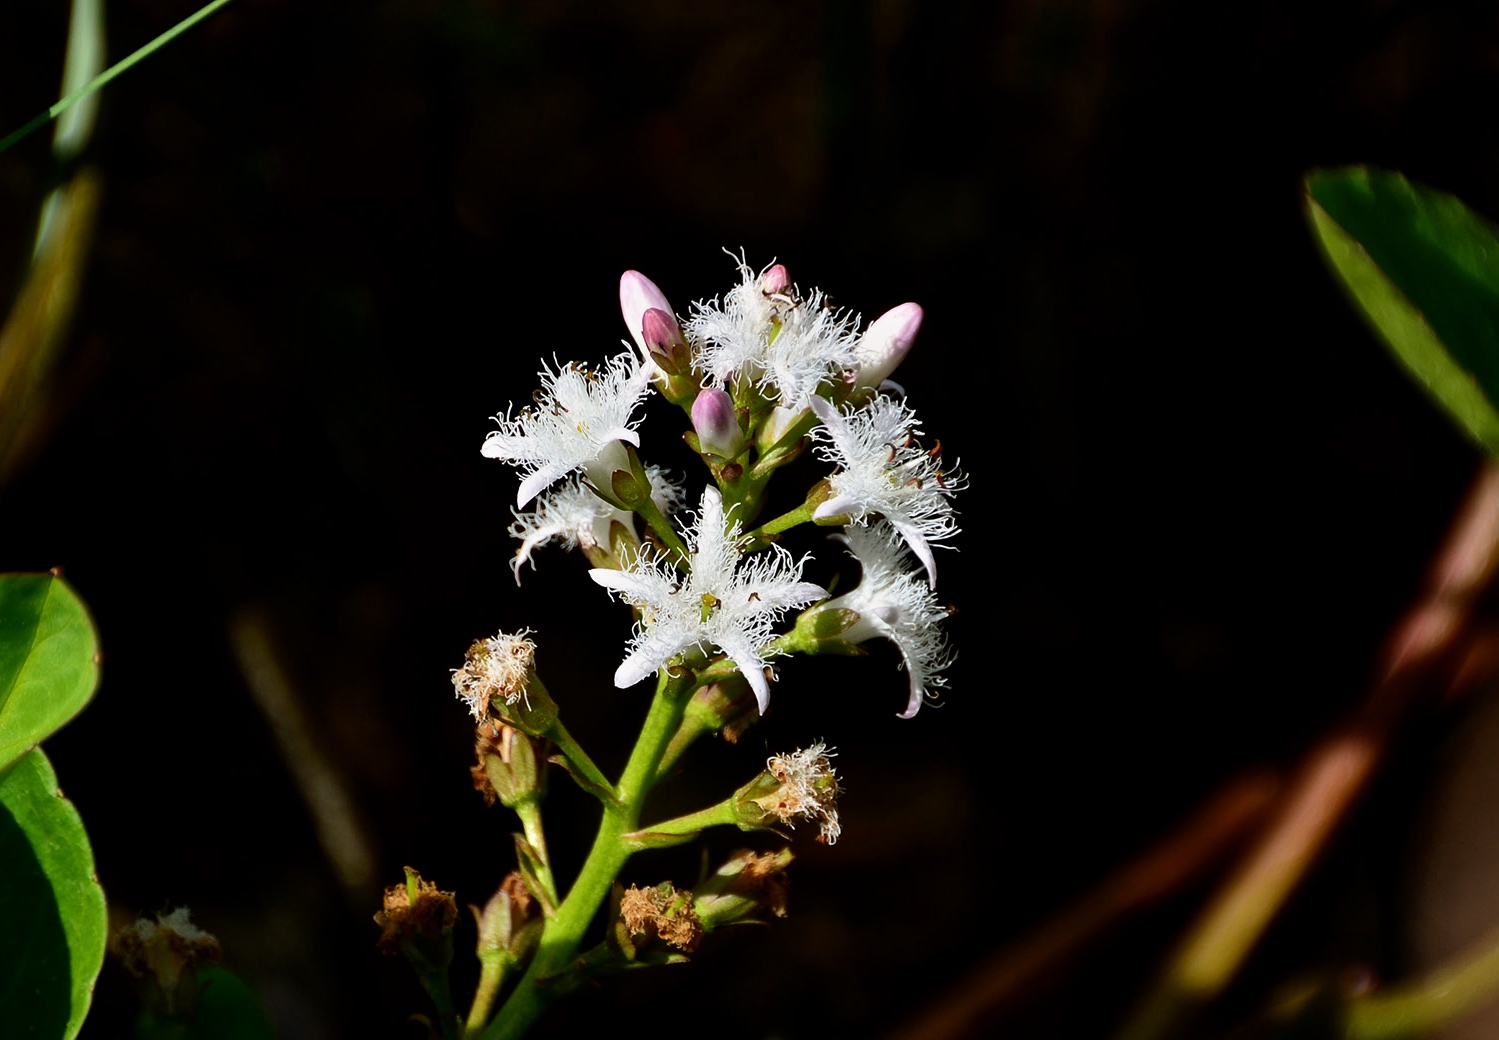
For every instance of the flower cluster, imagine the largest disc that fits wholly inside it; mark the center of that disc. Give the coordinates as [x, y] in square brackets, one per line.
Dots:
[766, 379]
[761, 372]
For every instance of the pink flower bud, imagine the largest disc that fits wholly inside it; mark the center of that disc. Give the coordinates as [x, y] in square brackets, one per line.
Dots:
[717, 427]
[663, 338]
[637, 295]
[886, 342]
[776, 280]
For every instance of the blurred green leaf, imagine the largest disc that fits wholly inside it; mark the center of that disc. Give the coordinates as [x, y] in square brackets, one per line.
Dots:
[49, 660]
[52, 906]
[1425, 271]
[227, 1009]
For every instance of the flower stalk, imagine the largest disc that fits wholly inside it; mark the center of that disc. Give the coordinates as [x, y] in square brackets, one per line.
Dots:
[563, 934]
[761, 375]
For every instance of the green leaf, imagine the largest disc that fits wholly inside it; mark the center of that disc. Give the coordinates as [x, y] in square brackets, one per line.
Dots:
[1425, 271]
[49, 660]
[52, 906]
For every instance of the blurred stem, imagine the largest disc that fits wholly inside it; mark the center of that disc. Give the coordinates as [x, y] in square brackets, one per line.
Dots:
[564, 933]
[37, 327]
[1456, 988]
[1425, 648]
[1013, 974]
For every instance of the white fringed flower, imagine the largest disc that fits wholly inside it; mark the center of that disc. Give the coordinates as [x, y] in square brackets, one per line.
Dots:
[765, 331]
[883, 472]
[575, 516]
[726, 600]
[893, 602]
[579, 418]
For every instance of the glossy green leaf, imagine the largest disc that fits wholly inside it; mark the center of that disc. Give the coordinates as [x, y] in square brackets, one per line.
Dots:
[1425, 271]
[53, 908]
[227, 1009]
[49, 660]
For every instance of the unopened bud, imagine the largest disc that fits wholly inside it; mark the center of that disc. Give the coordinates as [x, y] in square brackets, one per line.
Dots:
[886, 343]
[637, 295]
[663, 338]
[716, 425]
[776, 280]
[510, 922]
[746, 888]
[164, 957]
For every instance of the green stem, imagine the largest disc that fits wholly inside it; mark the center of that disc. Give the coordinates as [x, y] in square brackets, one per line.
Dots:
[761, 535]
[697, 719]
[564, 933]
[492, 967]
[691, 824]
[557, 733]
[653, 516]
[42, 119]
[436, 984]
[529, 811]
[693, 726]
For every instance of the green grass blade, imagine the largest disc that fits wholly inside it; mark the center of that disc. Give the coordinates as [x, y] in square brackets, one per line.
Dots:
[108, 74]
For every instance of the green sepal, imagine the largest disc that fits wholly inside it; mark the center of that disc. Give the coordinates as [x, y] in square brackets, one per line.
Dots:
[831, 623]
[623, 490]
[532, 869]
[533, 714]
[517, 780]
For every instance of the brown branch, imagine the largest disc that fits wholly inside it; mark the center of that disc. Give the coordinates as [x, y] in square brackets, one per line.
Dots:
[1426, 652]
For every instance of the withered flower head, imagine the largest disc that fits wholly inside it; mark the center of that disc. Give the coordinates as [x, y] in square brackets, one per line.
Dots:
[164, 955]
[664, 911]
[417, 919]
[808, 788]
[494, 669]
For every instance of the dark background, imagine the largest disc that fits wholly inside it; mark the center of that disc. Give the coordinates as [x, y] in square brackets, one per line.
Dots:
[336, 237]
